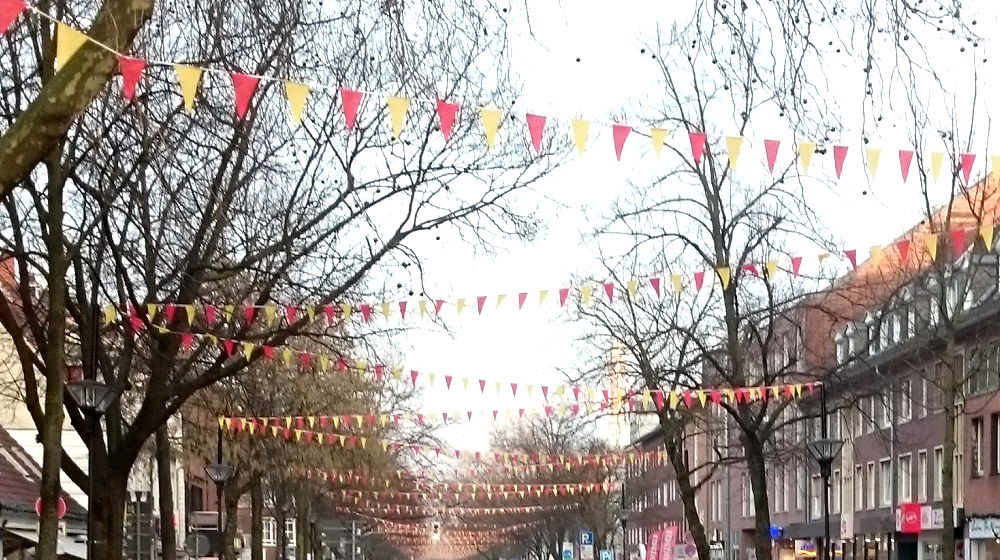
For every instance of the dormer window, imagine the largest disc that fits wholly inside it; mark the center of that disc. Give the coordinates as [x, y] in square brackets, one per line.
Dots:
[872, 328]
[841, 343]
[887, 326]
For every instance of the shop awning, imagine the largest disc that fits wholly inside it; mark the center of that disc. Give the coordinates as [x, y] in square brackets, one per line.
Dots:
[68, 546]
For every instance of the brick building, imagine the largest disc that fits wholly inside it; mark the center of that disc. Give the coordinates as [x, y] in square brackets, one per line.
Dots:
[875, 338]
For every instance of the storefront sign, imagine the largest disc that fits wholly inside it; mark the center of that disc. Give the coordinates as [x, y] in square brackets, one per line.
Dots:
[931, 518]
[983, 527]
[908, 518]
[805, 549]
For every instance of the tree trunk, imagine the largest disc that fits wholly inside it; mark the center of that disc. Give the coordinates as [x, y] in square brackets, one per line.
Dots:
[108, 511]
[948, 396]
[675, 453]
[257, 520]
[302, 515]
[165, 481]
[232, 502]
[55, 364]
[754, 450]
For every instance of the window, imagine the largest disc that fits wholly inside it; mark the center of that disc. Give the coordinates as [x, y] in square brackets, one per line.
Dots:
[872, 417]
[815, 503]
[859, 426]
[196, 498]
[938, 475]
[841, 342]
[905, 401]
[921, 398]
[786, 502]
[887, 408]
[800, 487]
[859, 489]
[871, 485]
[885, 476]
[747, 496]
[779, 488]
[995, 422]
[835, 499]
[270, 532]
[977, 446]
[905, 478]
[290, 531]
[922, 476]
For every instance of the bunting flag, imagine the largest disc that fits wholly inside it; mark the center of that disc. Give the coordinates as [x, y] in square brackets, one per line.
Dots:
[937, 158]
[446, 115]
[839, 155]
[806, 151]
[698, 140]
[351, 102]
[733, 145]
[581, 129]
[188, 78]
[771, 152]
[131, 70]
[536, 126]
[491, 124]
[9, 12]
[658, 136]
[68, 42]
[905, 159]
[966, 165]
[620, 133]
[873, 155]
[398, 106]
[244, 86]
[296, 94]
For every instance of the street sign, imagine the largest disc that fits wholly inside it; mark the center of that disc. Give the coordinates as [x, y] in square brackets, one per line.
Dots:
[567, 551]
[607, 554]
[586, 537]
[586, 552]
[60, 508]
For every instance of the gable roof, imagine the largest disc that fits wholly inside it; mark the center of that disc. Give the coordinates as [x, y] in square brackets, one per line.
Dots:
[20, 477]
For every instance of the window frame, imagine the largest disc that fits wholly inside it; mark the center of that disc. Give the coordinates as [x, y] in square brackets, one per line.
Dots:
[269, 532]
[922, 473]
[905, 477]
[870, 486]
[885, 482]
[938, 473]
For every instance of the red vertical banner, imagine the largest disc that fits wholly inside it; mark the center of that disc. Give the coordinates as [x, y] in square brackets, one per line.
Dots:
[667, 541]
[909, 518]
[653, 545]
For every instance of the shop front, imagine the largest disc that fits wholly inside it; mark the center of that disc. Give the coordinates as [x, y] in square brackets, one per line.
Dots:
[983, 534]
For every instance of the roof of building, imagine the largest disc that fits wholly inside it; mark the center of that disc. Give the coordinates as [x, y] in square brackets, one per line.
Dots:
[20, 477]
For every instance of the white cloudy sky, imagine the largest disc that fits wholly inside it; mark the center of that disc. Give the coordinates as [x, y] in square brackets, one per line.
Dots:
[612, 75]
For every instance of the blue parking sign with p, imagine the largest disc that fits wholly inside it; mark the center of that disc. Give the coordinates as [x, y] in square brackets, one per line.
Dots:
[586, 538]
[606, 554]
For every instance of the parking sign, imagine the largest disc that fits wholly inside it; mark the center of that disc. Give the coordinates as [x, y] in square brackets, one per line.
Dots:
[586, 537]
[606, 554]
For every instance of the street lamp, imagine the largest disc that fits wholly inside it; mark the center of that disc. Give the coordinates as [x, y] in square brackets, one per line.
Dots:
[220, 473]
[824, 450]
[93, 399]
[624, 515]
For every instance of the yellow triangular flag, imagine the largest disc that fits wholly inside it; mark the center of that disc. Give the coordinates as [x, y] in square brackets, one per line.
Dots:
[702, 398]
[459, 305]
[986, 232]
[430, 378]
[346, 310]
[312, 421]
[110, 314]
[931, 242]
[723, 276]
[658, 136]
[500, 299]
[271, 312]
[541, 296]
[151, 309]
[386, 309]
[806, 150]
[733, 145]
[296, 94]
[633, 288]
[188, 78]
[491, 124]
[586, 292]
[873, 156]
[772, 269]
[247, 349]
[190, 313]
[422, 306]
[875, 254]
[580, 130]
[937, 158]
[677, 282]
[996, 167]
[398, 106]
[68, 41]
[674, 399]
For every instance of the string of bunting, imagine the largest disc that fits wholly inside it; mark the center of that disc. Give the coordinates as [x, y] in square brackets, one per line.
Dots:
[535, 491]
[457, 510]
[171, 314]
[468, 486]
[69, 40]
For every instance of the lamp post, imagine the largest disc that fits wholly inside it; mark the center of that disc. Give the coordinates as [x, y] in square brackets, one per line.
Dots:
[824, 450]
[220, 473]
[93, 399]
[624, 515]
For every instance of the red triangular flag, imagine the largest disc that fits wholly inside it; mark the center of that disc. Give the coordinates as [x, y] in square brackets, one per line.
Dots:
[967, 161]
[187, 339]
[366, 312]
[482, 385]
[545, 392]
[716, 396]
[447, 381]
[563, 294]
[402, 310]
[905, 158]
[958, 240]
[839, 154]
[244, 86]
[609, 290]
[686, 395]
[796, 263]
[130, 69]
[536, 125]
[438, 303]
[9, 10]
[513, 389]
[329, 312]
[351, 100]
[168, 311]
[699, 279]
[620, 132]
[852, 255]
[249, 312]
[771, 150]
[413, 376]
[480, 302]
[752, 269]
[697, 146]
[521, 297]
[446, 112]
[903, 247]
[658, 397]
[655, 283]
